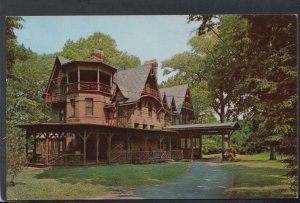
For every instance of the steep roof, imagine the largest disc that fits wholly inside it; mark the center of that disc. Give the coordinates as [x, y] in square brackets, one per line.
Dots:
[63, 60]
[132, 81]
[178, 92]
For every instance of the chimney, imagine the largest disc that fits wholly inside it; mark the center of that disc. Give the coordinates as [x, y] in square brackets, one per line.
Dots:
[97, 55]
[153, 64]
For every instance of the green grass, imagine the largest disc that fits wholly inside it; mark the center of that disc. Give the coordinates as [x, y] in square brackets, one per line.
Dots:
[89, 182]
[255, 176]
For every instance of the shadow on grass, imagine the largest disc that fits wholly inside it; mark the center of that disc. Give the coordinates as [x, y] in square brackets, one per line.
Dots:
[258, 182]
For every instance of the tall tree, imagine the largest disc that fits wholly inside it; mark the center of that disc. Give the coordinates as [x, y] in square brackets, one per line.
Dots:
[13, 50]
[81, 48]
[189, 68]
[260, 64]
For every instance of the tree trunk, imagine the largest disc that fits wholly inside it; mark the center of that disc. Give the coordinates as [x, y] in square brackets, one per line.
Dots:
[272, 152]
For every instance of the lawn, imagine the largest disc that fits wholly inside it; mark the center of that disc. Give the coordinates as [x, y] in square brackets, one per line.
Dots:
[255, 176]
[89, 182]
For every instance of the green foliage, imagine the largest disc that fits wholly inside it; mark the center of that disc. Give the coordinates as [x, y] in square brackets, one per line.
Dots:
[253, 73]
[80, 50]
[16, 156]
[13, 51]
[189, 68]
[211, 146]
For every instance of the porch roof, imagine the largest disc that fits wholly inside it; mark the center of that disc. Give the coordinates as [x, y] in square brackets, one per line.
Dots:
[89, 126]
[211, 128]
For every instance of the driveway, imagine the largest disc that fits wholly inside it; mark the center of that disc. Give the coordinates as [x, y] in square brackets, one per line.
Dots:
[203, 180]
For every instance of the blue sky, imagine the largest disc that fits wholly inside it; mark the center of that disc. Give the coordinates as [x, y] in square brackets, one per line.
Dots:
[148, 37]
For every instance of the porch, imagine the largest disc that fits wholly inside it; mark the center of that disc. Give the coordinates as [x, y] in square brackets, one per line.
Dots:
[61, 144]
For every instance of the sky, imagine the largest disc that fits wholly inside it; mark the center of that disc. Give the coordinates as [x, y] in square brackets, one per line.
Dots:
[148, 37]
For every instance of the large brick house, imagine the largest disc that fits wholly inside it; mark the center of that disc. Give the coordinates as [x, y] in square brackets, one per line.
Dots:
[102, 114]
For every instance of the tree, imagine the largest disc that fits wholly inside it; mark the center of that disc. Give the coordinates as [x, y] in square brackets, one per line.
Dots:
[80, 49]
[25, 105]
[13, 51]
[261, 62]
[189, 68]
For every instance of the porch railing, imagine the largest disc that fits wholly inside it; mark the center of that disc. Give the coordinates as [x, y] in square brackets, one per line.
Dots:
[144, 156]
[63, 159]
[88, 86]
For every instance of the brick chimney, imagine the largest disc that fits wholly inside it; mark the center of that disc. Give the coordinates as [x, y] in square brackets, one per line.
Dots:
[153, 64]
[97, 55]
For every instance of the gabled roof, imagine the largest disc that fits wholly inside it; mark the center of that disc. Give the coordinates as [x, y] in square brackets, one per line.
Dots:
[178, 92]
[63, 60]
[132, 81]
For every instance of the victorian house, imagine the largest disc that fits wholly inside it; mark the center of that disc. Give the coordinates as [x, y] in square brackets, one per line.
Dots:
[102, 114]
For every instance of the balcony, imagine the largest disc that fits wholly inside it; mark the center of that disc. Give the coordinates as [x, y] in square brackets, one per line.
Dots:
[88, 87]
[55, 98]
[151, 92]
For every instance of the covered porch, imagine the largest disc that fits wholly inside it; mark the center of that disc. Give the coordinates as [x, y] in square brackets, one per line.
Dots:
[190, 136]
[60, 144]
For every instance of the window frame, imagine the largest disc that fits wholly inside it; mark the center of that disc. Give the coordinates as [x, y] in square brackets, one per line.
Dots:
[73, 107]
[87, 100]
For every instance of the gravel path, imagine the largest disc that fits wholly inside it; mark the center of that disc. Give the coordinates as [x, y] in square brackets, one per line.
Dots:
[203, 180]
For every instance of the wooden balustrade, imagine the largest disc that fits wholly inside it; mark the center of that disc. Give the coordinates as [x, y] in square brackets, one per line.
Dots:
[145, 156]
[88, 86]
[65, 159]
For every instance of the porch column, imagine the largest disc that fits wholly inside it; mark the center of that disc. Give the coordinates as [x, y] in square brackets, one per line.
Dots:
[47, 149]
[67, 86]
[200, 147]
[145, 143]
[160, 141]
[128, 148]
[59, 137]
[109, 147]
[78, 78]
[97, 148]
[192, 146]
[170, 143]
[84, 147]
[98, 79]
[34, 146]
[170, 147]
[27, 136]
[223, 158]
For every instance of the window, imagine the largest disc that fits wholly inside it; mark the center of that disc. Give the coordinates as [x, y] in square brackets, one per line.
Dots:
[136, 125]
[120, 111]
[144, 126]
[104, 78]
[150, 109]
[140, 107]
[151, 126]
[89, 106]
[73, 108]
[88, 75]
[73, 76]
[182, 143]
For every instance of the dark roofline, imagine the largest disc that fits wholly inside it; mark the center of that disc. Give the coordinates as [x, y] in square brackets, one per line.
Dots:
[80, 126]
[89, 62]
[210, 126]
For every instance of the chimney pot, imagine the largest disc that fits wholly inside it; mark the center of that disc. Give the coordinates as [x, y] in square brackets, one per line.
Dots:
[153, 64]
[97, 55]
